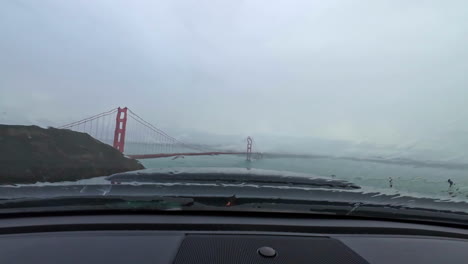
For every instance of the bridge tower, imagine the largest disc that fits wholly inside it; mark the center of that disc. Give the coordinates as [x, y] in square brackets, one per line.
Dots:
[120, 129]
[249, 148]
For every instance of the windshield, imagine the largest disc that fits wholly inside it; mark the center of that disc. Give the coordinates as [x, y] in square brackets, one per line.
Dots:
[342, 102]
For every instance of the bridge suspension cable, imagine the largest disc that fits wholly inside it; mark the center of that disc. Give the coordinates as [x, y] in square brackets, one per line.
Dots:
[88, 119]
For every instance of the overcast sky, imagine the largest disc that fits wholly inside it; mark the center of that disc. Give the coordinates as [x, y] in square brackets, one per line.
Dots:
[383, 72]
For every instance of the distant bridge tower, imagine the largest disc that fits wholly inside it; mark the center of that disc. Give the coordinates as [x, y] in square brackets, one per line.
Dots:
[120, 129]
[249, 149]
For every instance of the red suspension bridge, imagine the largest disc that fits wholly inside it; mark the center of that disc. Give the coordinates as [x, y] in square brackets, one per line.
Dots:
[133, 136]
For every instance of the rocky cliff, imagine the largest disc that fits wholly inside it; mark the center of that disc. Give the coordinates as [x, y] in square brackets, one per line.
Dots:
[29, 154]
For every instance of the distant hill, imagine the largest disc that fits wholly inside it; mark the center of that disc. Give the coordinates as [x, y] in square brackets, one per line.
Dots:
[30, 154]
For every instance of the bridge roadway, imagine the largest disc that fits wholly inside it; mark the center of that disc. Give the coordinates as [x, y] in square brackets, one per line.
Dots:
[165, 155]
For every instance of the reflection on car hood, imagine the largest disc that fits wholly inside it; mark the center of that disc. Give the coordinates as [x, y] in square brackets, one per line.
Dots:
[229, 175]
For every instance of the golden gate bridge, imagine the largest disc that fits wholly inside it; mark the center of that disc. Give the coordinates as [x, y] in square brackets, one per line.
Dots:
[136, 138]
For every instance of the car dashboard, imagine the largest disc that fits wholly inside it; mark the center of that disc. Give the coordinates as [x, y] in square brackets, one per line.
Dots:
[192, 238]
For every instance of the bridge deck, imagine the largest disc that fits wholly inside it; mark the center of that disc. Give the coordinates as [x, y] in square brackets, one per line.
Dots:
[165, 155]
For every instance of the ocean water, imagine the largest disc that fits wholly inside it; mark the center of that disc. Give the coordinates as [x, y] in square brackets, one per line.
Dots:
[418, 181]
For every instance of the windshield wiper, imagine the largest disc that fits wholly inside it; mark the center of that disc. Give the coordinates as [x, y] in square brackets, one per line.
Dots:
[95, 203]
[220, 204]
